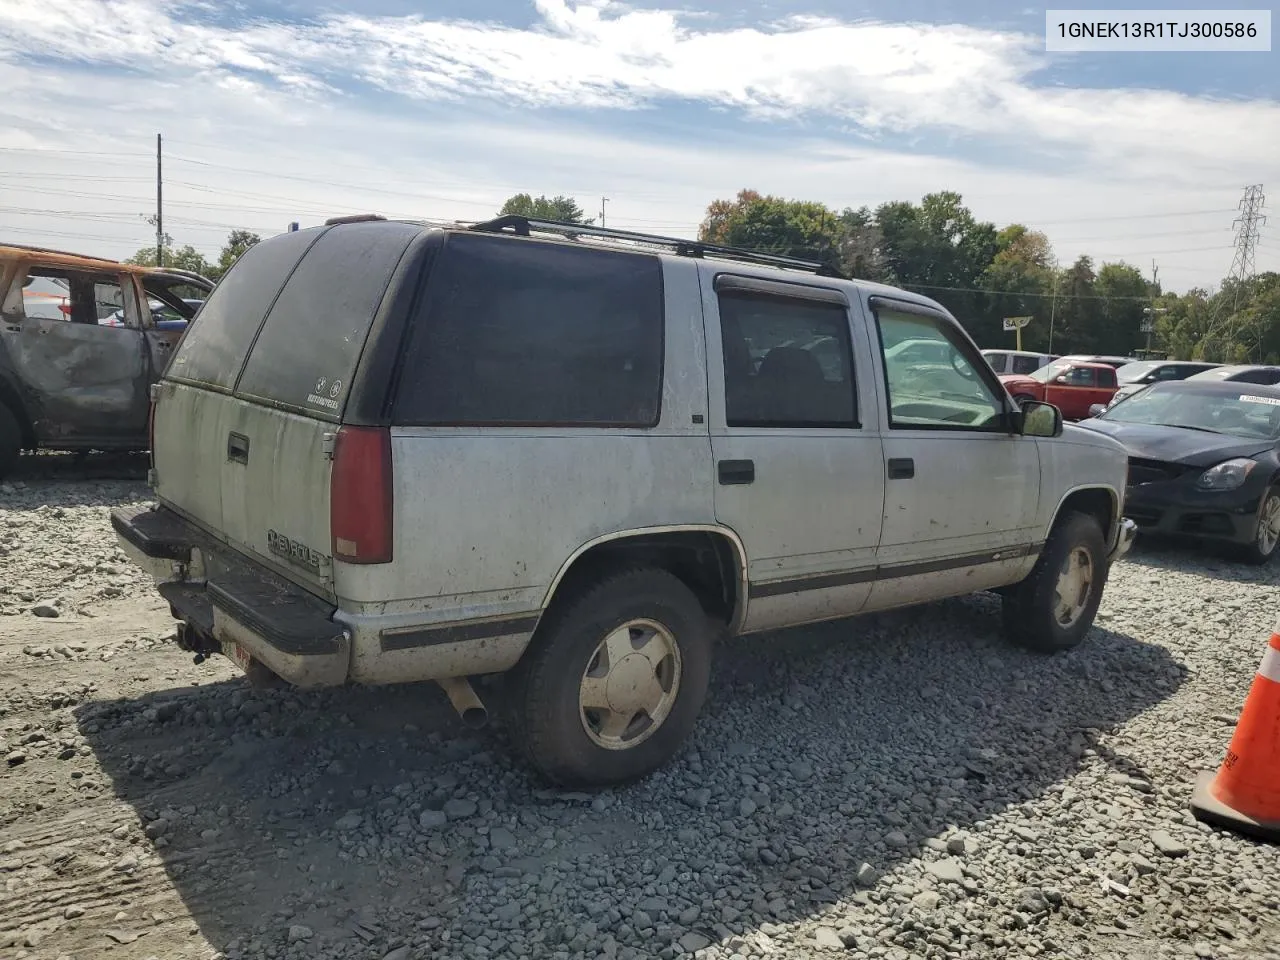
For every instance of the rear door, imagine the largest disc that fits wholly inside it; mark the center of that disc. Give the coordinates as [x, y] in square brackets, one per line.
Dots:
[260, 449]
[798, 465]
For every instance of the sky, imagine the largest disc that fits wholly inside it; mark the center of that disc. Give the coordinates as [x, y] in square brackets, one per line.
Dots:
[274, 111]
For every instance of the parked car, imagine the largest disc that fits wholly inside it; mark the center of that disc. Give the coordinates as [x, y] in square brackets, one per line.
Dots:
[163, 316]
[1017, 361]
[1204, 462]
[1216, 373]
[1073, 386]
[1240, 373]
[389, 453]
[70, 379]
[1116, 362]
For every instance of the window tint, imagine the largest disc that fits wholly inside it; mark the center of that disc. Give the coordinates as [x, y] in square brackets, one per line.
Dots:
[787, 362]
[517, 332]
[1080, 377]
[1025, 365]
[999, 361]
[307, 352]
[1106, 378]
[951, 395]
[214, 346]
[1259, 376]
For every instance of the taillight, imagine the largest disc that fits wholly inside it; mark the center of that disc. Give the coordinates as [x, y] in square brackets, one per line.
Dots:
[360, 499]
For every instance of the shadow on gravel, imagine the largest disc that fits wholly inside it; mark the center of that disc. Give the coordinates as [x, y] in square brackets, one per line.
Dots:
[1205, 560]
[56, 467]
[819, 750]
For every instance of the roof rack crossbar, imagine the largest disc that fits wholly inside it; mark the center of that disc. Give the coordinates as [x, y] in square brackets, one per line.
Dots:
[524, 226]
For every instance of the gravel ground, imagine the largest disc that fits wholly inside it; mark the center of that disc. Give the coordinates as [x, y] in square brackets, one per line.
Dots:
[900, 786]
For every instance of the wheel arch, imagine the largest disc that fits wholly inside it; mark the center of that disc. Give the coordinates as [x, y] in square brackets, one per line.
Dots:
[708, 558]
[12, 399]
[1096, 500]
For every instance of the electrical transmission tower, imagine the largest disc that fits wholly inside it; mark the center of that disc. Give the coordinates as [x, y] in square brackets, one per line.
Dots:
[1244, 264]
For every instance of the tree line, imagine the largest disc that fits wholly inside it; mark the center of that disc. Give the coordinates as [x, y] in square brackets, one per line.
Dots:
[980, 272]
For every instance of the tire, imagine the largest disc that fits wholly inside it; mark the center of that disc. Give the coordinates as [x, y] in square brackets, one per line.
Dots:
[1266, 532]
[1033, 611]
[10, 441]
[575, 745]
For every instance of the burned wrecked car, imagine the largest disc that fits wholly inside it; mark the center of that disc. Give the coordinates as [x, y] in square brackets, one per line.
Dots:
[81, 341]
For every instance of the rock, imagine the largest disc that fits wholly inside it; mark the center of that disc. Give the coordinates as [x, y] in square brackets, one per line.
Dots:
[866, 875]
[689, 916]
[507, 912]
[946, 870]
[46, 610]
[459, 809]
[927, 900]
[399, 953]
[1167, 845]
[746, 807]
[958, 846]
[801, 770]
[500, 838]
[693, 942]
[348, 822]
[896, 839]
[73, 911]
[641, 920]
[297, 933]
[432, 819]
[17, 758]
[827, 939]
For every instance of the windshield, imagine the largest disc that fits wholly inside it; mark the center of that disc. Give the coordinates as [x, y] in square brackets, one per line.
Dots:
[1045, 374]
[1132, 372]
[1217, 373]
[1243, 414]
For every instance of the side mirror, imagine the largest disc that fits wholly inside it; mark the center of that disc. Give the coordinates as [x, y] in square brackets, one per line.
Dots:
[1041, 419]
[1097, 409]
[1060, 379]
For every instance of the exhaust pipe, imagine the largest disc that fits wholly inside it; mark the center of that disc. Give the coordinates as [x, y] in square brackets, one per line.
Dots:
[464, 699]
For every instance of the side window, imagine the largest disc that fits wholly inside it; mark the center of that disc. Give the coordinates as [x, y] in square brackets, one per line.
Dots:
[999, 361]
[1080, 377]
[1025, 365]
[90, 298]
[1169, 373]
[214, 347]
[787, 362]
[1106, 378]
[951, 396]
[527, 333]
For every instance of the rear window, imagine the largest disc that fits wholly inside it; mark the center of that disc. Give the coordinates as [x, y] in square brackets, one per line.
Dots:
[520, 333]
[214, 346]
[307, 352]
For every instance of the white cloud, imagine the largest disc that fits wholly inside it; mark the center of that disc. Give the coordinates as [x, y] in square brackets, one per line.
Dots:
[460, 123]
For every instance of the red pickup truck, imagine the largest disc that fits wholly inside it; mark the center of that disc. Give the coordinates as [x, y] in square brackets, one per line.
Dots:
[1070, 385]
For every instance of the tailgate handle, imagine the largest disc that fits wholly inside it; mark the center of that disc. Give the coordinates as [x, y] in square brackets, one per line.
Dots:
[238, 447]
[736, 472]
[901, 468]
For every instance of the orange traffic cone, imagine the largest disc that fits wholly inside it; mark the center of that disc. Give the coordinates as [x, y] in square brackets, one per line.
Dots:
[1244, 795]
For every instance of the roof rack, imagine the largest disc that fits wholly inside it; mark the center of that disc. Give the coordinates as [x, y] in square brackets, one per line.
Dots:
[524, 226]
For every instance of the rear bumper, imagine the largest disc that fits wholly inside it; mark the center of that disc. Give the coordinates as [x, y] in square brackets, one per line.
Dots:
[230, 603]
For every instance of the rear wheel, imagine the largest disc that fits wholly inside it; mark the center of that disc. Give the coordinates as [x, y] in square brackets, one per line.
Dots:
[10, 441]
[1053, 608]
[614, 680]
[1266, 534]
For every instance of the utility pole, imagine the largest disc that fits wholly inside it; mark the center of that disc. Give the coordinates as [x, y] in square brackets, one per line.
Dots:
[1053, 308]
[159, 206]
[603, 201]
[1244, 265]
[1149, 324]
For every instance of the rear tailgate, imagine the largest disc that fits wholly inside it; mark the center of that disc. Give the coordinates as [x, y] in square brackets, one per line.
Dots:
[251, 464]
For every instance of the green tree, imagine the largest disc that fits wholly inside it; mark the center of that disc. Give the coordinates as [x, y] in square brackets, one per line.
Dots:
[1022, 273]
[238, 241]
[180, 258]
[769, 224]
[563, 209]
[1119, 314]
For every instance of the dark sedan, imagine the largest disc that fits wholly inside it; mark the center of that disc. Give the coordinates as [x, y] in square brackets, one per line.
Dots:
[1204, 462]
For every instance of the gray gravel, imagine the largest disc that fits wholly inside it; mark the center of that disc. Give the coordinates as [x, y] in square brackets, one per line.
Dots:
[901, 786]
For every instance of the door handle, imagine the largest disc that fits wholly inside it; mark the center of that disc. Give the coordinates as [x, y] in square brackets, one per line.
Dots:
[736, 472]
[238, 448]
[901, 468]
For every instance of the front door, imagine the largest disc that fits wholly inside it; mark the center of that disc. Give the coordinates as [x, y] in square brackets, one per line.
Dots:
[74, 339]
[961, 493]
[797, 457]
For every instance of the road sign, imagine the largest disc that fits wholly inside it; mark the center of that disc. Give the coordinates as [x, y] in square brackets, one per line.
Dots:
[1016, 323]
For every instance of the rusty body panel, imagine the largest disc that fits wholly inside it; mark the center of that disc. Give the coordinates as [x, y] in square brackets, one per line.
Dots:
[77, 358]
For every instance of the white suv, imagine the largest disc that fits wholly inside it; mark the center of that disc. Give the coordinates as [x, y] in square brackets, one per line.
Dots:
[386, 452]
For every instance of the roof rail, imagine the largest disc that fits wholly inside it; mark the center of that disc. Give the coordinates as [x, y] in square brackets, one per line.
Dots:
[354, 218]
[525, 226]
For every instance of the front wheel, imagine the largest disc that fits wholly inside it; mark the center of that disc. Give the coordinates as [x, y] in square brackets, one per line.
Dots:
[1266, 535]
[1053, 608]
[614, 680]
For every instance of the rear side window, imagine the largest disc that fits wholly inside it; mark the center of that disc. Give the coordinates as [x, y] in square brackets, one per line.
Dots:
[1025, 365]
[520, 333]
[309, 347]
[214, 347]
[998, 361]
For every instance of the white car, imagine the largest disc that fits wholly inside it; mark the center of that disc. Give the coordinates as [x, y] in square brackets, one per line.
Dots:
[389, 453]
[1021, 362]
